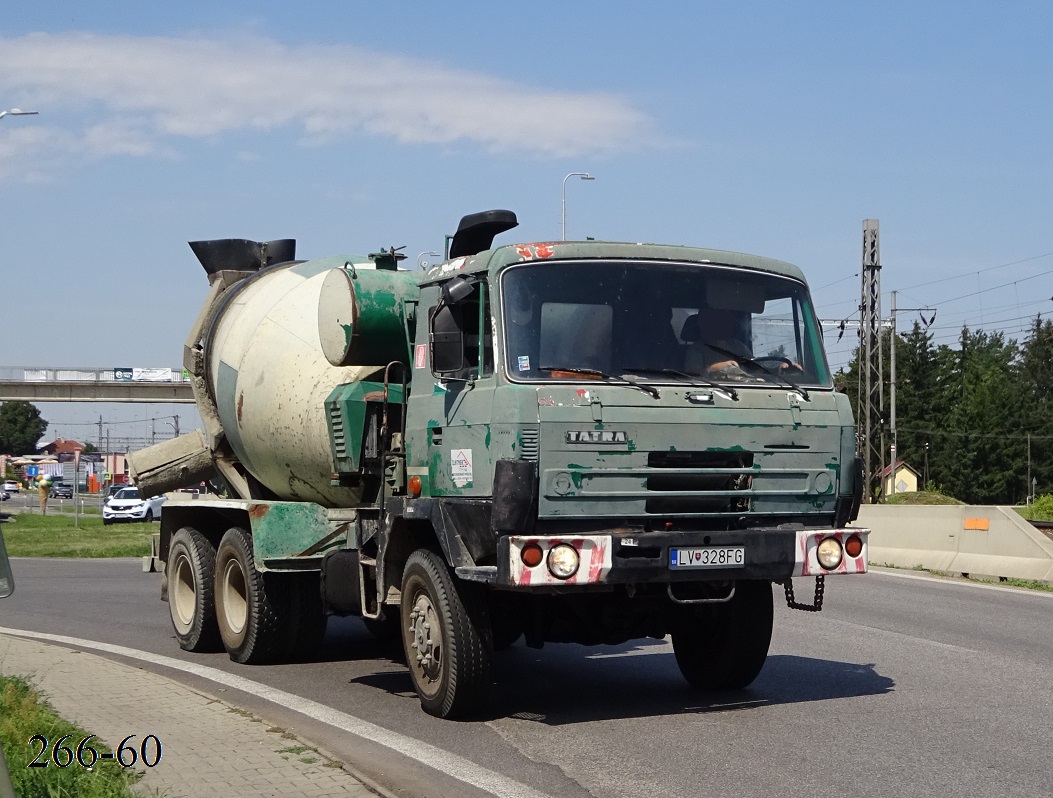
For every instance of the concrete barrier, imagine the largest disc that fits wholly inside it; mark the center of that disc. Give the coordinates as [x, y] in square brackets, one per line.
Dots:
[991, 542]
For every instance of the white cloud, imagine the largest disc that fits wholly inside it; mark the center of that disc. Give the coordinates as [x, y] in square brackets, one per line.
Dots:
[138, 96]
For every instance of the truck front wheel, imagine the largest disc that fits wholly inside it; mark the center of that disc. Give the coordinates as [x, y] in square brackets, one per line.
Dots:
[191, 572]
[724, 646]
[253, 613]
[446, 637]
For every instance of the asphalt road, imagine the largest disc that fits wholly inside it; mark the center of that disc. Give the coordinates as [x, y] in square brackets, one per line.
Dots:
[902, 686]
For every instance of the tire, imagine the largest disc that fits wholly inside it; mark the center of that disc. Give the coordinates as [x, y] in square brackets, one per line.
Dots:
[149, 517]
[724, 646]
[191, 583]
[106, 522]
[252, 612]
[446, 637]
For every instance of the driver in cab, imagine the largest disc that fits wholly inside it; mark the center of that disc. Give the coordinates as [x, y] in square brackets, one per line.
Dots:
[718, 333]
[720, 345]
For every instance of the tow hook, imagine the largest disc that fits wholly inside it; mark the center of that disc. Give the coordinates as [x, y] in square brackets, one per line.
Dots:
[817, 606]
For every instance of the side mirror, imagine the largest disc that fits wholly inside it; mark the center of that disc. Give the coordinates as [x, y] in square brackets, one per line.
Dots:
[7, 579]
[456, 289]
[447, 333]
[447, 342]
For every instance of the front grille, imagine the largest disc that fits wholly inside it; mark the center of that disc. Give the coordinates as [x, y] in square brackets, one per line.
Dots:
[716, 473]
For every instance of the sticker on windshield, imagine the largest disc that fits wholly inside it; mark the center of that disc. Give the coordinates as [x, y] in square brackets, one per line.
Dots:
[524, 362]
[461, 467]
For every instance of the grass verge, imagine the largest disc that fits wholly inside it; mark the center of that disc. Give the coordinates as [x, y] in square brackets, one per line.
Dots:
[22, 715]
[29, 535]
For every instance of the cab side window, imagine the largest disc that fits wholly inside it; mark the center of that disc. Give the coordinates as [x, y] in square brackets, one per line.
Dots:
[469, 319]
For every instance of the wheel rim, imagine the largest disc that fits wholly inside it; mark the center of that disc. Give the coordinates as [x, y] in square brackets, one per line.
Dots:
[235, 597]
[182, 593]
[426, 642]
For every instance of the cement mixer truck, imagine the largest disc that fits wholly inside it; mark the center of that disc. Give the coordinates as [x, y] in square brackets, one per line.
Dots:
[544, 441]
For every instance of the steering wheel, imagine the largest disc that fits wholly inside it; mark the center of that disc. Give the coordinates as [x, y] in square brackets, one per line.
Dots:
[779, 359]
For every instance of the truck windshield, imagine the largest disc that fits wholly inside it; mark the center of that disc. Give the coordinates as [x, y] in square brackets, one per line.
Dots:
[669, 322]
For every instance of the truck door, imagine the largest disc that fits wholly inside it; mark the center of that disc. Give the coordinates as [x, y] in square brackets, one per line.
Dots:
[457, 410]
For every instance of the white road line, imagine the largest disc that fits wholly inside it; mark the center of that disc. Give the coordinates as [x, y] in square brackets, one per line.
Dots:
[445, 762]
[944, 580]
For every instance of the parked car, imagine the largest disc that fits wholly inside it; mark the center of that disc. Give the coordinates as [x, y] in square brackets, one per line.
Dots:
[61, 490]
[12, 485]
[114, 489]
[128, 505]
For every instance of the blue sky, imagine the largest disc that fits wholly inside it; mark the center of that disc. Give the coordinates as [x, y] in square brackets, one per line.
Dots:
[766, 127]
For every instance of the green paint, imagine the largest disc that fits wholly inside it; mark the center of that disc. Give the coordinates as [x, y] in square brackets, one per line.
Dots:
[285, 530]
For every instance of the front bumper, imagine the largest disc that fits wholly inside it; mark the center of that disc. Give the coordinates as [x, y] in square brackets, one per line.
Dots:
[133, 514]
[622, 558]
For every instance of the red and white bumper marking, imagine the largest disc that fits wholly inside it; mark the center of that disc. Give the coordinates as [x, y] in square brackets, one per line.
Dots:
[806, 563]
[595, 553]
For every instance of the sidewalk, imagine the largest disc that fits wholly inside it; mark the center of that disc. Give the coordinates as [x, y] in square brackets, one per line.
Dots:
[210, 748]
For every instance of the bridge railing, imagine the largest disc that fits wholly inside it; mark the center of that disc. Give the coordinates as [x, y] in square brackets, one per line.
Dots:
[80, 374]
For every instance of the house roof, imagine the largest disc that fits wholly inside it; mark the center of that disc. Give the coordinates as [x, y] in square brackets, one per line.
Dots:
[62, 446]
[899, 465]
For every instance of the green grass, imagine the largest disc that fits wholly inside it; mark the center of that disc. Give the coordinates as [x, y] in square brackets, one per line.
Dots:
[920, 497]
[35, 535]
[22, 715]
[1041, 510]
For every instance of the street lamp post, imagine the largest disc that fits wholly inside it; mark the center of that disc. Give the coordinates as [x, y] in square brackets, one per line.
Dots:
[17, 112]
[583, 176]
[421, 263]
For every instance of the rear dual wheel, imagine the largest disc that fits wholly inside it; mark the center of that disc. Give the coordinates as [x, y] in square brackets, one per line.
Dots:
[264, 617]
[191, 572]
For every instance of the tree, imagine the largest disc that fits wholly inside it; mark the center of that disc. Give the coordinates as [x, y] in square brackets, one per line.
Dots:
[1034, 370]
[89, 448]
[21, 427]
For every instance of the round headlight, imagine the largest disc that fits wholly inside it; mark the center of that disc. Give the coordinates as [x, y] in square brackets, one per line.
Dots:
[563, 561]
[829, 553]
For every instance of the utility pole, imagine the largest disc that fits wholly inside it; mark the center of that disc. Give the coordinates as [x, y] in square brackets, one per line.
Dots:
[871, 378]
[892, 395]
[892, 402]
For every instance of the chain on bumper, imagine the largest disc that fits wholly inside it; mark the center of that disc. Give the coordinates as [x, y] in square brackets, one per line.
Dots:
[816, 606]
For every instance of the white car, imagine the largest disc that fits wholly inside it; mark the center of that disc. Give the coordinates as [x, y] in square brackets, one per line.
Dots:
[11, 486]
[127, 505]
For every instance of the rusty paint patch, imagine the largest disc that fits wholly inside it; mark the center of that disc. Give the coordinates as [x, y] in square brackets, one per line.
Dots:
[258, 511]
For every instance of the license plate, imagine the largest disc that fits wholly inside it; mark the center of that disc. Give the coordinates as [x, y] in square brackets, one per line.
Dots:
[708, 557]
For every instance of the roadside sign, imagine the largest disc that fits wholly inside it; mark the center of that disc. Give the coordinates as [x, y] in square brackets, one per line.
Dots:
[32, 471]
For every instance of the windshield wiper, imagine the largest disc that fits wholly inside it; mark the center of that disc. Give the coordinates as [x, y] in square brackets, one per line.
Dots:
[749, 361]
[694, 379]
[648, 389]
